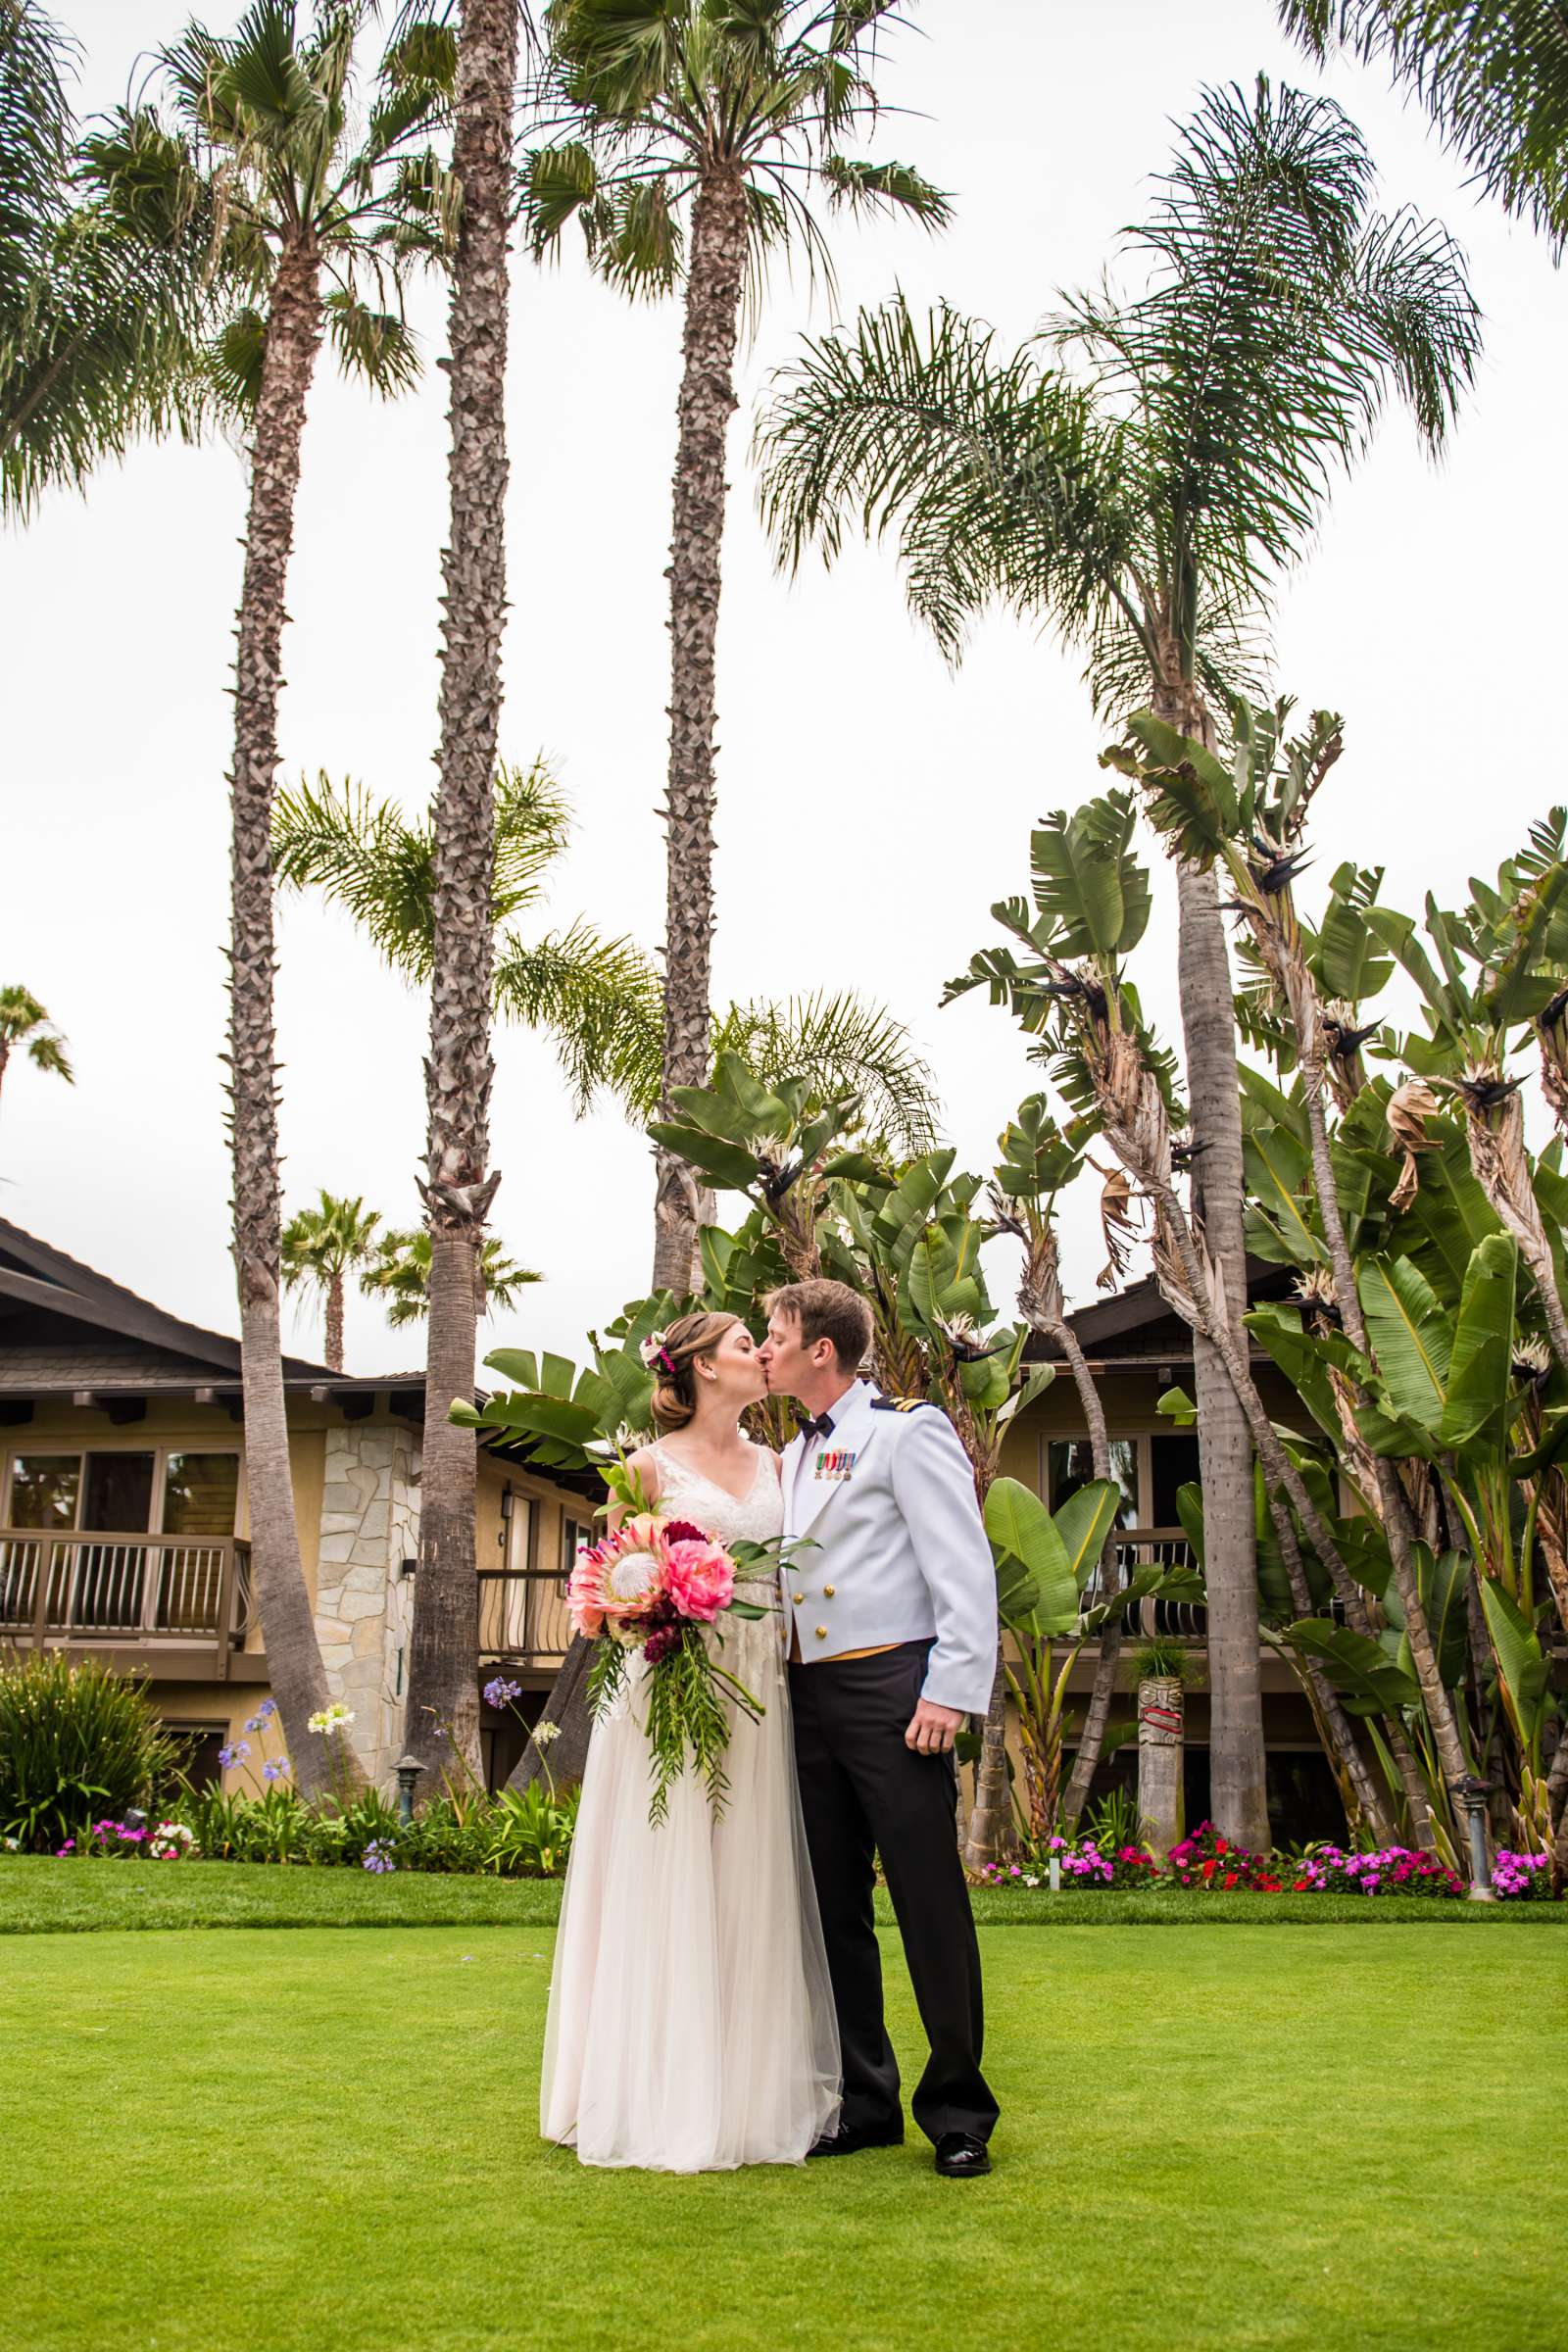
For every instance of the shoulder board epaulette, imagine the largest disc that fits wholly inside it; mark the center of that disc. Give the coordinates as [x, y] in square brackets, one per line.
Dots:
[902, 1404]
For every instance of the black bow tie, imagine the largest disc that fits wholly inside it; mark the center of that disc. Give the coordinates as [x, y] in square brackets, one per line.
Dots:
[821, 1426]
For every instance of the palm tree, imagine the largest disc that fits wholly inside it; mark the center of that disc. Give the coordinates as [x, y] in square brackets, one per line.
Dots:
[315, 207]
[599, 1000]
[1491, 73]
[688, 138]
[443, 1698]
[320, 1248]
[400, 1276]
[104, 286]
[24, 1022]
[1148, 508]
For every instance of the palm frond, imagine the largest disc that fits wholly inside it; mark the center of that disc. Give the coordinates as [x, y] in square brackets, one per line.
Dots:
[842, 1045]
[1493, 75]
[601, 1003]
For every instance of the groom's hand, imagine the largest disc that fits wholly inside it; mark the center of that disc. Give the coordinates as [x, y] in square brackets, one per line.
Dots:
[931, 1729]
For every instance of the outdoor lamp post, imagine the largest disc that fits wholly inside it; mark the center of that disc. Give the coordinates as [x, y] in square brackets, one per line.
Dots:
[1472, 1795]
[409, 1769]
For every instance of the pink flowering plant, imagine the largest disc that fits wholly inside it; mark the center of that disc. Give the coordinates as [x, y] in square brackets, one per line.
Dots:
[1520, 1878]
[655, 1590]
[1208, 1860]
[1389, 1869]
[1085, 1861]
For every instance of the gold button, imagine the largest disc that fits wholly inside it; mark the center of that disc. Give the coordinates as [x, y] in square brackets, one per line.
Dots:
[827, 1591]
[822, 1632]
[799, 1598]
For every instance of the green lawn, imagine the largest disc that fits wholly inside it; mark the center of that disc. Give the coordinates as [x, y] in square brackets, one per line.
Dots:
[319, 2143]
[40, 1895]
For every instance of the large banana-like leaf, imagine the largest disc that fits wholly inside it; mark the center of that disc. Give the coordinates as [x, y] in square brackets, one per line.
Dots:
[1278, 1177]
[1413, 1337]
[1021, 1529]
[1525, 1670]
[730, 1165]
[1443, 1585]
[1475, 1413]
[1083, 1523]
[1367, 1679]
[1092, 891]
[1190, 795]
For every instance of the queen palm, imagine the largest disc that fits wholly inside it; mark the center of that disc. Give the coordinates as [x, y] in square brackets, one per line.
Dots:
[317, 211]
[398, 1277]
[321, 1248]
[1145, 506]
[1491, 73]
[597, 1000]
[25, 1024]
[688, 138]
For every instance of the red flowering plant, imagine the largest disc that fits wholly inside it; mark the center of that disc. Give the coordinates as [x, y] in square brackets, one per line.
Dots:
[1206, 1859]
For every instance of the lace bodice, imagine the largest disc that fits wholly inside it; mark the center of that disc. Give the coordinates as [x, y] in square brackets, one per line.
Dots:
[684, 1493]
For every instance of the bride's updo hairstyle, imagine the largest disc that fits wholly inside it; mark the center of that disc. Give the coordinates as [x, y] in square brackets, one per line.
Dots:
[674, 1363]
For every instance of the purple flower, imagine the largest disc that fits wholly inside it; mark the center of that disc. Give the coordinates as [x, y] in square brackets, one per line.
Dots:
[255, 1723]
[226, 1757]
[501, 1693]
[379, 1857]
[269, 1706]
[276, 1771]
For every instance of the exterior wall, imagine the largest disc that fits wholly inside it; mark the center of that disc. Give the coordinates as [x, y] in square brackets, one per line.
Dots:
[370, 1525]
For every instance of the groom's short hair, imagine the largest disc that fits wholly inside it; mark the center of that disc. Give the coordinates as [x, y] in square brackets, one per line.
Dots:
[826, 1310]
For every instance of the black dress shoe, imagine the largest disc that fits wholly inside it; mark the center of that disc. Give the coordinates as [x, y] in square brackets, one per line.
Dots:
[961, 2157]
[845, 2142]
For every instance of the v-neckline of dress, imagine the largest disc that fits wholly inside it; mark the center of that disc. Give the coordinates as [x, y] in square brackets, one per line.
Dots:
[689, 1470]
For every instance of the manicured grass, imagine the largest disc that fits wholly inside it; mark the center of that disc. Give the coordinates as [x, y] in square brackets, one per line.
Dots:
[40, 1895]
[1209, 2138]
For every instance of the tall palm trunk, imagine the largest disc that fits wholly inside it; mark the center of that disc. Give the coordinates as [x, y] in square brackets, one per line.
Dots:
[288, 1626]
[706, 404]
[443, 1657]
[1097, 1717]
[1238, 1798]
[334, 1322]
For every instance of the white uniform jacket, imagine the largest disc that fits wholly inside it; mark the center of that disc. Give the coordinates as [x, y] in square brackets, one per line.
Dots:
[897, 1551]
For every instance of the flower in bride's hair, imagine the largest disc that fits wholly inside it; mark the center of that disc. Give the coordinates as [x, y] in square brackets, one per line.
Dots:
[655, 1347]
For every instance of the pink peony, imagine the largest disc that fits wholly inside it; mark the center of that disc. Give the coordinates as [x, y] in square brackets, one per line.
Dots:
[701, 1579]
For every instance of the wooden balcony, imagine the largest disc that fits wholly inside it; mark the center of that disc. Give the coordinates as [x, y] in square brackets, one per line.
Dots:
[178, 1607]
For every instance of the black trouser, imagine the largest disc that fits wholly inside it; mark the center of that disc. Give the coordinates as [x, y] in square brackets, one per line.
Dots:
[862, 1793]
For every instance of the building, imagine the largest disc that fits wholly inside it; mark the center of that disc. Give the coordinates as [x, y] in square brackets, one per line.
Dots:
[123, 1529]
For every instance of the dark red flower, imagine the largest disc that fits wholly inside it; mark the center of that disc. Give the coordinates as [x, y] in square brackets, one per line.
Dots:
[682, 1531]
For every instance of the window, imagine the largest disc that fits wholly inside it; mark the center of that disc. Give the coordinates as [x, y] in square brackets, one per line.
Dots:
[574, 1534]
[1173, 1464]
[1070, 1465]
[44, 1490]
[200, 1494]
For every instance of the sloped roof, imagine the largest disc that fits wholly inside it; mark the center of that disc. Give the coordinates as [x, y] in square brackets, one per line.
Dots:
[65, 1326]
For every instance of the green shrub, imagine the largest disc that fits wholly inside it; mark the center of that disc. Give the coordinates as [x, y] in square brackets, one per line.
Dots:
[76, 1743]
[530, 1831]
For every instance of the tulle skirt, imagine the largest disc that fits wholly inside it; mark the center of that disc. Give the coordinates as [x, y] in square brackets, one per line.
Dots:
[691, 2024]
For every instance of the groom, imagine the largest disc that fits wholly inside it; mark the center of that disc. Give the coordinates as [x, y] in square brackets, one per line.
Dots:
[892, 1642]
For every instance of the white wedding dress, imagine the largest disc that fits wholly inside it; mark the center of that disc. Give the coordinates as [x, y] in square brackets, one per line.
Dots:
[691, 2024]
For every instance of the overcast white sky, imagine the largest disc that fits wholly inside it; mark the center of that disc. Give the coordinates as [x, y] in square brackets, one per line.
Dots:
[872, 805]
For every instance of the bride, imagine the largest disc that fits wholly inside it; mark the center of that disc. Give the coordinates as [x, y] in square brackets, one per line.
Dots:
[691, 2024]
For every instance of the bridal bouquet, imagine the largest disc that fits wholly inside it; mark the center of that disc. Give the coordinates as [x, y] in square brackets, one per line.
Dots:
[651, 1586]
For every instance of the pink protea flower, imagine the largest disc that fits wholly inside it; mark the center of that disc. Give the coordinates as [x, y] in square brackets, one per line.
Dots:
[701, 1579]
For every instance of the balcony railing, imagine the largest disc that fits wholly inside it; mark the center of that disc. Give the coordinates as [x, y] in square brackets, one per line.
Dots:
[522, 1617]
[1163, 1547]
[69, 1589]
